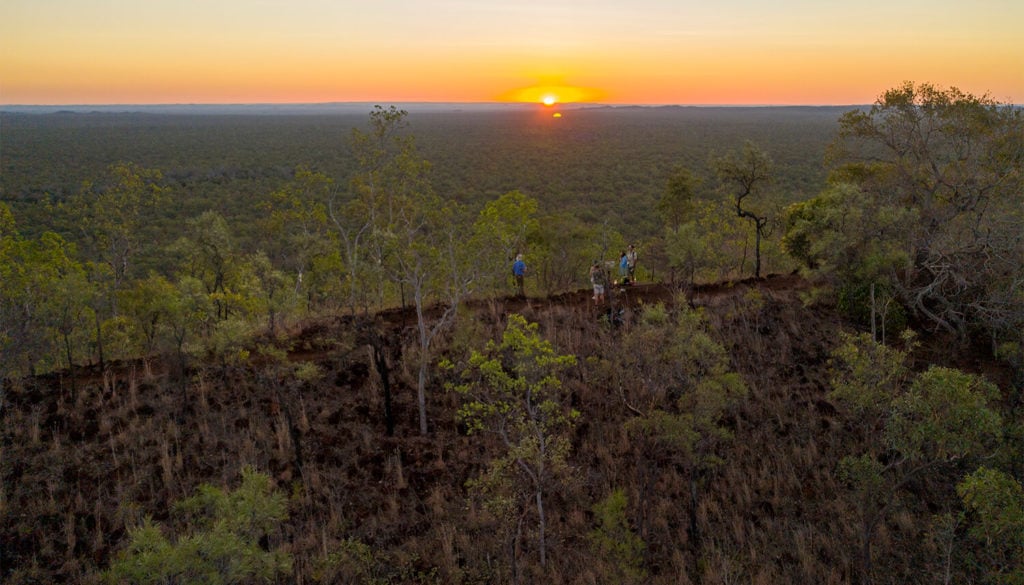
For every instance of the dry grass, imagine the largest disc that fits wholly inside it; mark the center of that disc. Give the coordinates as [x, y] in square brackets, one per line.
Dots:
[76, 475]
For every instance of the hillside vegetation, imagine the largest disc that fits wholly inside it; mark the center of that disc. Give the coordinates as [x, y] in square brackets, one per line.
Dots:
[323, 378]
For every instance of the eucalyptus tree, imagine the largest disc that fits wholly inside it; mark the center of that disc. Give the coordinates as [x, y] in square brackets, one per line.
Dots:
[271, 291]
[107, 217]
[226, 537]
[994, 502]
[147, 303]
[45, 300]
[514, 390]
[913, 426]
[858, 240]
[416, 242]
[208, 252]
[567, 247]
[677, 201]
[956, 162]
[296, 226]
[677, 379]
[387, 169]
[430, 259]
[746, 174]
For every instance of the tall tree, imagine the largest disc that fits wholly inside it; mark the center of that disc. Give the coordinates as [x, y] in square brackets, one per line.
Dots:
[746, 174]
[209, 254]
[109, 215]
[995, 504]
[957, 162]
[857, 240]
[296, 224]
[514, 390]
[415, 240]
[387, 170]
[39, 330]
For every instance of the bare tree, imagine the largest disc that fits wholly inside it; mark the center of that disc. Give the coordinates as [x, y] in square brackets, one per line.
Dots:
[746, 174]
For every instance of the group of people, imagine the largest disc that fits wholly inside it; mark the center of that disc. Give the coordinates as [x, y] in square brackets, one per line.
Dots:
[598, 274]
[627, 273]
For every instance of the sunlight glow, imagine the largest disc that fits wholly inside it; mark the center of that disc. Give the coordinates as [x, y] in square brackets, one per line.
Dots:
[557, 94]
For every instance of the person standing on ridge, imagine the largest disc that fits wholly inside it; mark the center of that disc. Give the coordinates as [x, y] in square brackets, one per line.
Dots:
[623, 268]
[598, 280]
[631, 263]
[518, 272]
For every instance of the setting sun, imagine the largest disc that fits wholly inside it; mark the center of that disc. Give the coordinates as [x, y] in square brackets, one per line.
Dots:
[549, 100]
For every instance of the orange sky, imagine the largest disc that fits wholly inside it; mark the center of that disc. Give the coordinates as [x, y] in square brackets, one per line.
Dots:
[636, 51]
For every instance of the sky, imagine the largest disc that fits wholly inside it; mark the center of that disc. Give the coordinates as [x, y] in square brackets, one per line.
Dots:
[735, 52]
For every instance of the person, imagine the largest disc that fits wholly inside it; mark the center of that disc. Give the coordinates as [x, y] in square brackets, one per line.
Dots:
[623, 268]
[631, 263]
[598, 280]
[518, 272]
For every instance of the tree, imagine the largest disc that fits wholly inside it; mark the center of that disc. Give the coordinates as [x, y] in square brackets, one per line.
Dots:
[209, 254]
[995, 502]
[148, 304]
[746, 174]
[40, 329]
[956, 161]
[678, 380]
[514, 390]
[845, 233]
[416, 240]
[677, 200]
[682, 243]
[272, 292]
[223, 543]
[109, 216]
[296, 224]
[914, 426]
[614, 540]
[388, 169]
[567, 247]
[502, 229]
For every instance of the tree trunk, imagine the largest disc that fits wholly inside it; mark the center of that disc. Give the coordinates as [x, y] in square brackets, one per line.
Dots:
[757, 247]
[541, 537]
[71, 363]
[99, 339]
[874, 334]
[865, 551]
[379, 350]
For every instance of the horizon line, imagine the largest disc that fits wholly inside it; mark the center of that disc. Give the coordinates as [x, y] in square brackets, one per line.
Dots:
[363, 103]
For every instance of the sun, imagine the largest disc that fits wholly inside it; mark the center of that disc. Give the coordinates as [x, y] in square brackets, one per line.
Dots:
[549, 100]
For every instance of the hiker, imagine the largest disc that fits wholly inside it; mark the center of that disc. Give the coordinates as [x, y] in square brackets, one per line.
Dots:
[631, 263]
[598, 279]
[623, 268]
[518, 272]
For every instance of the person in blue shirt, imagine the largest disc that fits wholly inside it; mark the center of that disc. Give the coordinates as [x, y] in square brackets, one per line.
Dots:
[631, 261]
[623, 268]
[519, 271]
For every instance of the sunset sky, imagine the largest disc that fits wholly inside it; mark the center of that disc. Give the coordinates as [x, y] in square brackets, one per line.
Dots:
[608, 51]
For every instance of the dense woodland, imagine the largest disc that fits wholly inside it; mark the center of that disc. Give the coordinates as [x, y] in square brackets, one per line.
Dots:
[267, 348]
